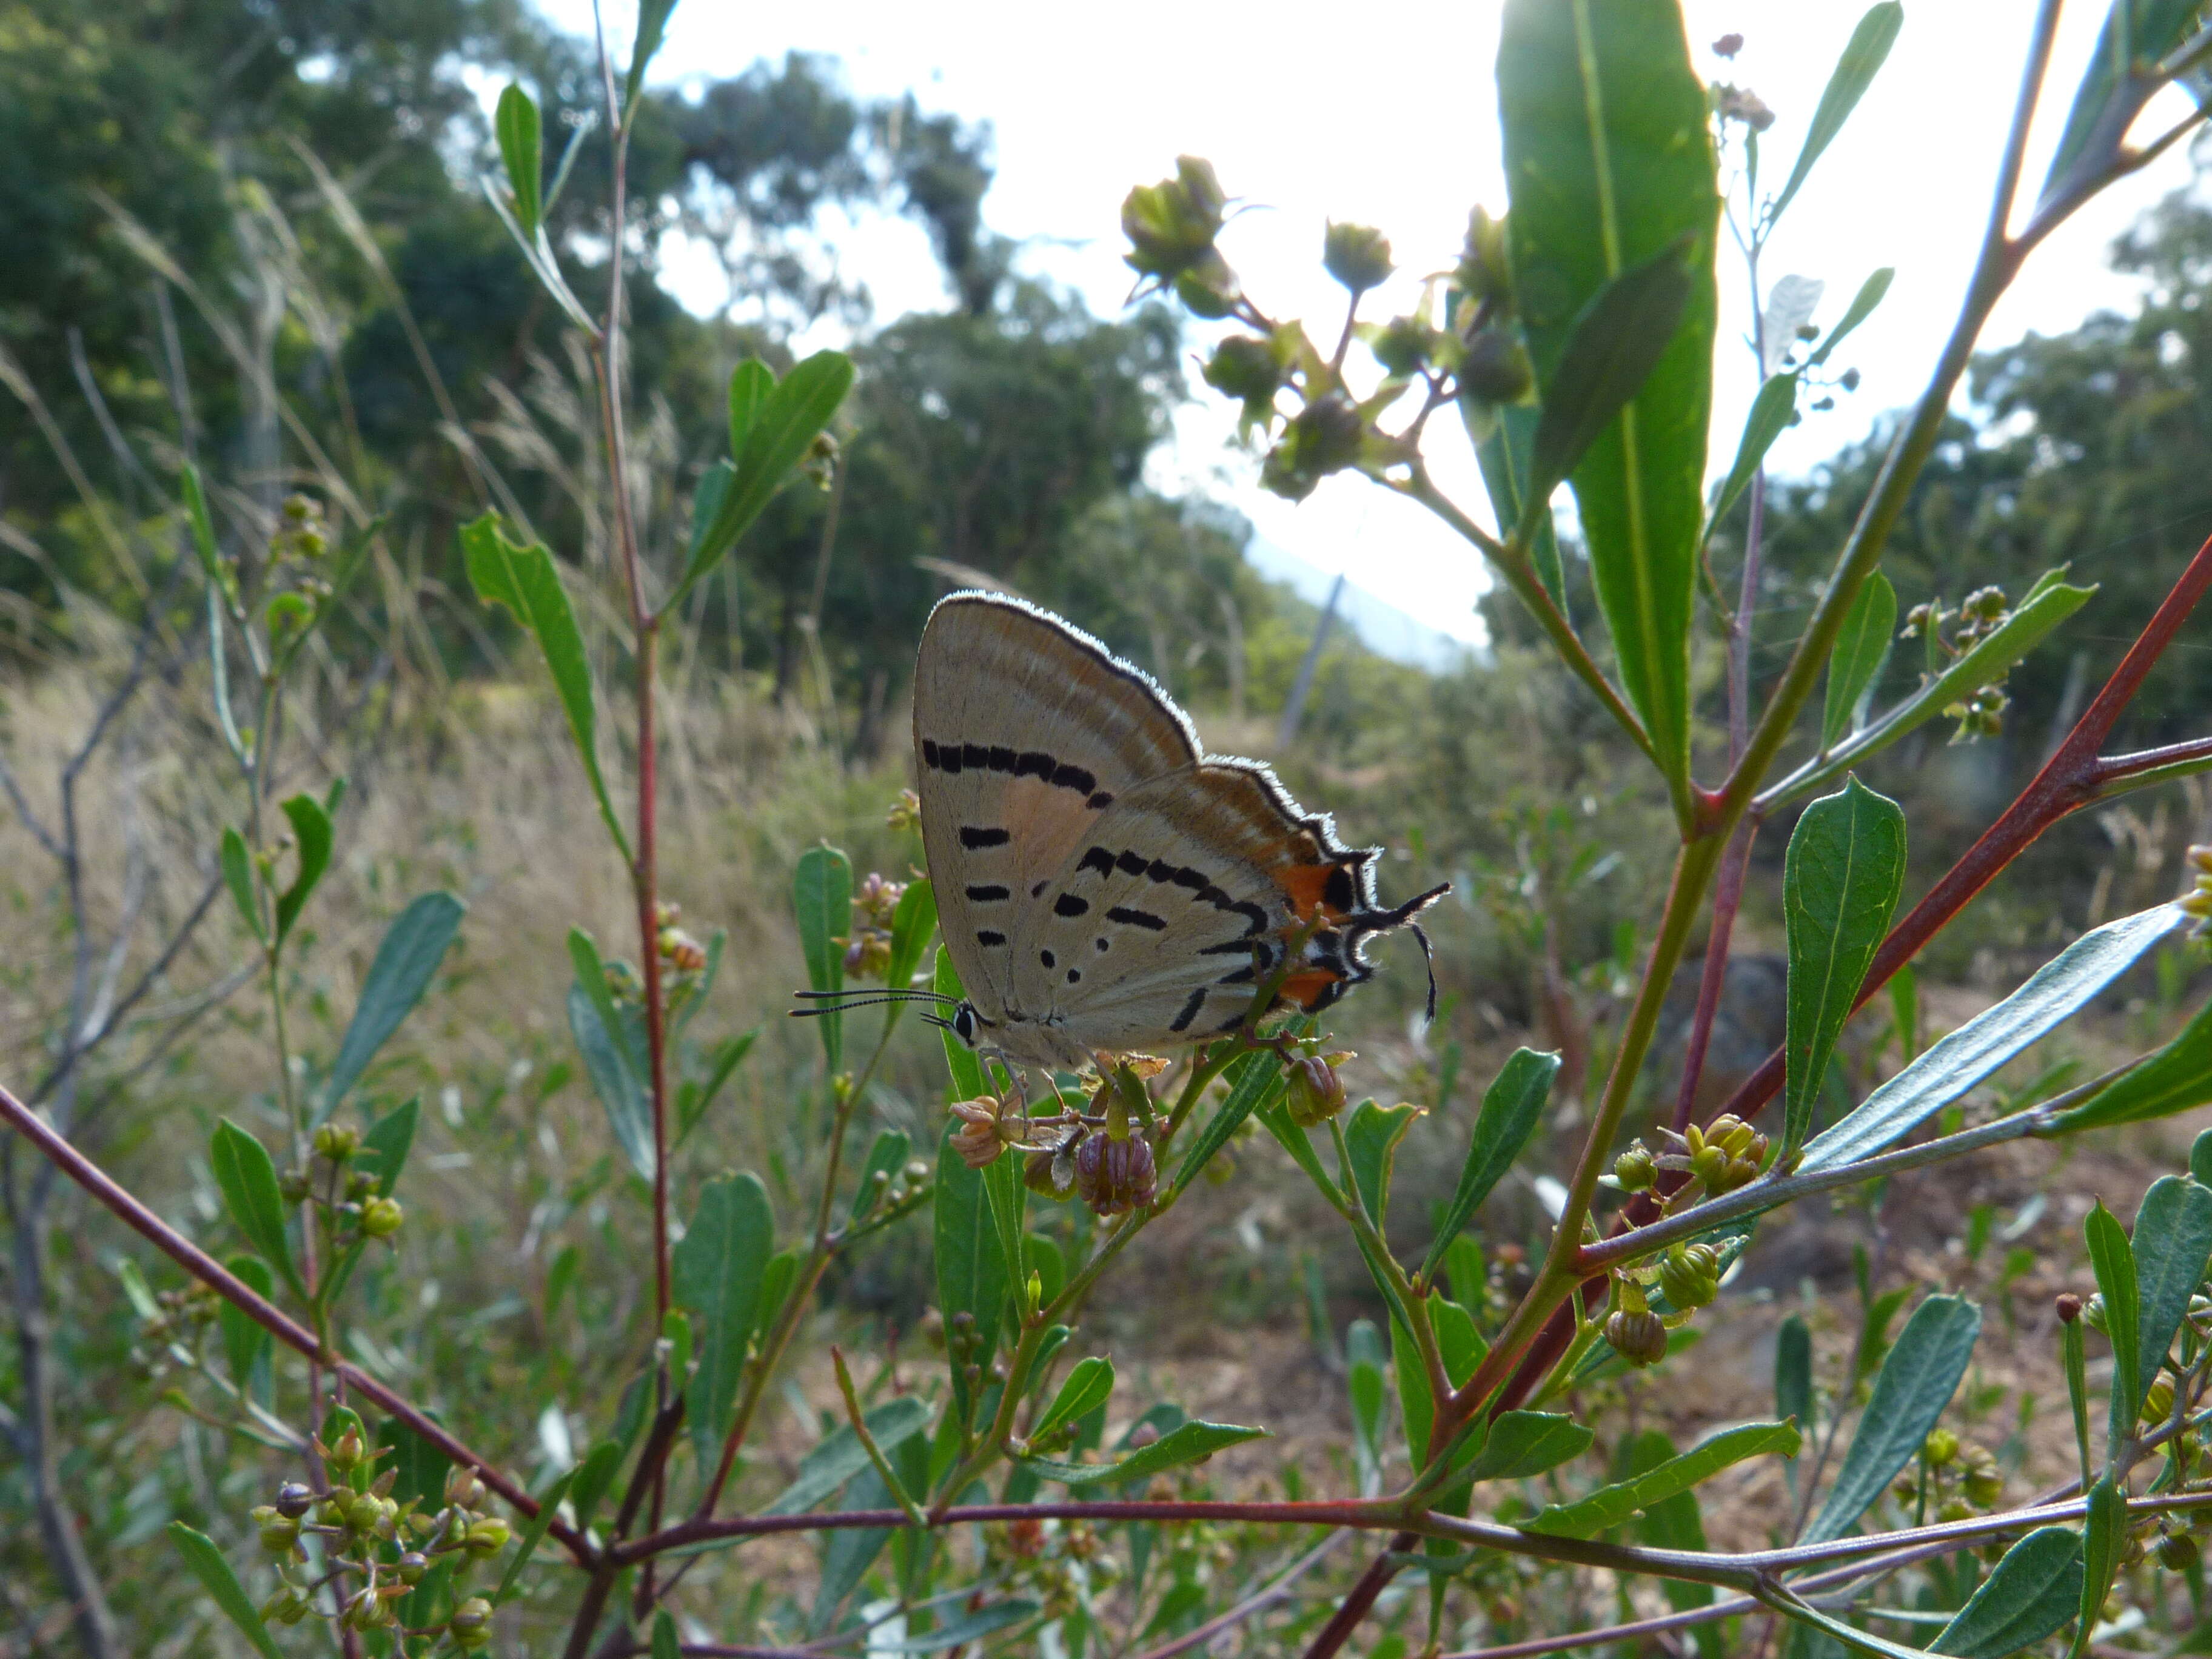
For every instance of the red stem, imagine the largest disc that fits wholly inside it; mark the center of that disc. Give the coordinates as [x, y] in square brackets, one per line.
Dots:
[210, 1272]
[2068, 781]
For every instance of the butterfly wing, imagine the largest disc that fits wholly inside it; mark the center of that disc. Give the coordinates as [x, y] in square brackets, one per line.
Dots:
[1187, 892]
[1026, 732]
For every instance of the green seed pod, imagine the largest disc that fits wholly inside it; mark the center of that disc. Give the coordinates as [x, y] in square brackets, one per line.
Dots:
[1638, 1338]
[286, 1606]
[1244, 367]
[1496, 369]
[2178, 1552]
[1116, 1177]
[488, 1536]
[410, 1567]
[1953, 1509]
[279, 1533]
[336, 1142]
[470, 1624]
[1636, 1169]
[294, 1499]
[2093, 1314]
[1940, 1448]
[2158, 1404]
[1358, 256]
[1691, 1275]
[1316, 1092]
[1403, 345]
[381, 1217]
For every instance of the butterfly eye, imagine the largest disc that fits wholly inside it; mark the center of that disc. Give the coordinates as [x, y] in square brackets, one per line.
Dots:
[963, 1023]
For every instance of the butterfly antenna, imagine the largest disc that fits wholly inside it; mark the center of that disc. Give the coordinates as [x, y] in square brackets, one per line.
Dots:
[864, 999]
[887, 993]
[938, 1020]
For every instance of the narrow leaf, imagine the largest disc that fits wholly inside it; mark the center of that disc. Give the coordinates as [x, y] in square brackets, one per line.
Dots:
[1510, 1107]
[1672, 1523]
[665, 1644]
[1505, 437]
[216, 1578]
[781, 427]
[1087, 1387]
[822, 894]
[1610, 1506]
[752, 383]
[1193, 1442]
[398, 974]
[1615, 343]
[718, 1267]
[847, 1552]
[238, 875]
[595, 1475]
[887, 1156]
[2119, 80]
[2057, 992]
[1256, 1081]
[419, 1468]
[533, 1535]
[914, 923]
[247, 1177]
[1914, 1385]
[1770, 412]
[247, 1343]
[1840, 884]
[2103, 1540]
[1855, 70]
[1862, 307]
[1862, 649]
[2173, 1080]
[311, 840]
[1793, 1370]
[2113, 1259]
[617, 1073]
[2030, 1596]
[520, 147]
[384, 1149]
[525, 581]
[652, 25]
[1372, 1137]
[1525, 1443]
[961, 1062]
[841, 1456]
[2172, 1245]
[971, 1260]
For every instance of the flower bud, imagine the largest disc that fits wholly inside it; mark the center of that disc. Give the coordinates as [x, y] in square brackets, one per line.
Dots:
[1636, 1169]
[978, 1140]
[279, 1533]
[363, 1510]
[1316, 1092]
[1323, 437]
[1495, 368]
[1952, 1509]
[293, 1500]
[1358, 256]
[1940, 1448]
[286, 1606]
[1485, 274]
[1727, 45]
[381, 1217]
[410, 1567]
[488, 1536]
[1244, 367]
[1114, 1177]
[462, 1488]
[2177, 1552]
[336, 1142]
[1170, 224]
[2158, 1403]
[470, 1624]
[1403, 345]
[1691, 1275]
[1638, 1338]
[2093, 1314]
[2068, 1306]
[905, 812]
[1208, 288]
[367, 1611]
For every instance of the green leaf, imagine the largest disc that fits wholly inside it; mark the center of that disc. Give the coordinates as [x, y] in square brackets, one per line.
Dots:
[694, 1096]
[2030, 1596]
[1847, 84]
[2200, 1158]
[847, 1552]
[1372, 1136]
[1813, 1624]
[971, 1259]
[913, 925]
[1672, 1523]
[968, 1627]
[2173, 1080]
[652, 24]
[1256, 1081]
[1616, 341]
[533, 1535]
[1087, 1387]
[246, 1343]
[1365, 1364]
[1793, 1370]
[1510, 1107]
[384, 1149]
[238, 874]
[520, 140]
[311, 837]
[2054, 994]
[2173, 1246]
[1193, 1442]
[1914, 1385]
[822, 894]
[418, 1467]
[1610, 1506]
[718, 1267]
[1416, 1405]
[2119, 80]
[2104, 1540]
[222, 1587]
[1770, 414]
[526, 581]
[595, 1475]
[1840, 884]
[247, 1177]
[614, 1053]
[1862, 647]
[1504, 438]
[665, 1643]
[780, 428]
[841, 1456]
[887, 1155]
[2113, 1259]
[398, 974]
[1609, 167]
[1525, 1443]
[1862, 307]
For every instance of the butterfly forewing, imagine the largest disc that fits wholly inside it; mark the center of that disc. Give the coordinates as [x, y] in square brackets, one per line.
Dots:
[1025, 733]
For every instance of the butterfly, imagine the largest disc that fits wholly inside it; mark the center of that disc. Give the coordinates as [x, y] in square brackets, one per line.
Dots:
[1103, 884]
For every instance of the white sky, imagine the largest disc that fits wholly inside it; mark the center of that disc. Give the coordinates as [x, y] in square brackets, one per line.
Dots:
[1390, 119]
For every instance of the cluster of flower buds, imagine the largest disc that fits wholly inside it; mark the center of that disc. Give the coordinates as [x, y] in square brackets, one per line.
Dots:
[298, 547]
[1726, 1154]
[1962, 1477]
[376, 1214]
[1733, 103]
[301, 532]
[821, 463]
[1063, 1563]
[890, 1190]
[989, 1125]
[1171, 227]
[181, 1313]
[1114, 1177]
[868, 951]
[905, 812]
[679, 952]
[2199, 901]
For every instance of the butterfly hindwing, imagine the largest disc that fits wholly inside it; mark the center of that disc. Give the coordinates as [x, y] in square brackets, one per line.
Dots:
[1026, 731]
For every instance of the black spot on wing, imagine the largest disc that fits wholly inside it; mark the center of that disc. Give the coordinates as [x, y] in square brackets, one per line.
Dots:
[1037, 887]
[1235, 947]
[975, 837]
[1133, 864]
[1129, 918]
[948, 757]
[1047, 958]
[1034, 764]
[1182, 1021]
[1096, 858]
[975, 756]
[1161, 870]
[1338, 891]
[1100, 945]
[929, 755]
[1067, 904]
[988, 894]
[1075, 976]
[1099, 801]
[1068, 776]
[1254, 915]
[984, 936]
[1243, 975]
[1189, 878]
[1002, 760]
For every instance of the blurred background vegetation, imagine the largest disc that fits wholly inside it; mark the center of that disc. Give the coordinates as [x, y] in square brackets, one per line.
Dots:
[253, 237]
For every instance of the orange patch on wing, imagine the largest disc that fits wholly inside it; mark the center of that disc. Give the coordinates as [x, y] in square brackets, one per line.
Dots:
[1307, 986]
[1306, 886]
